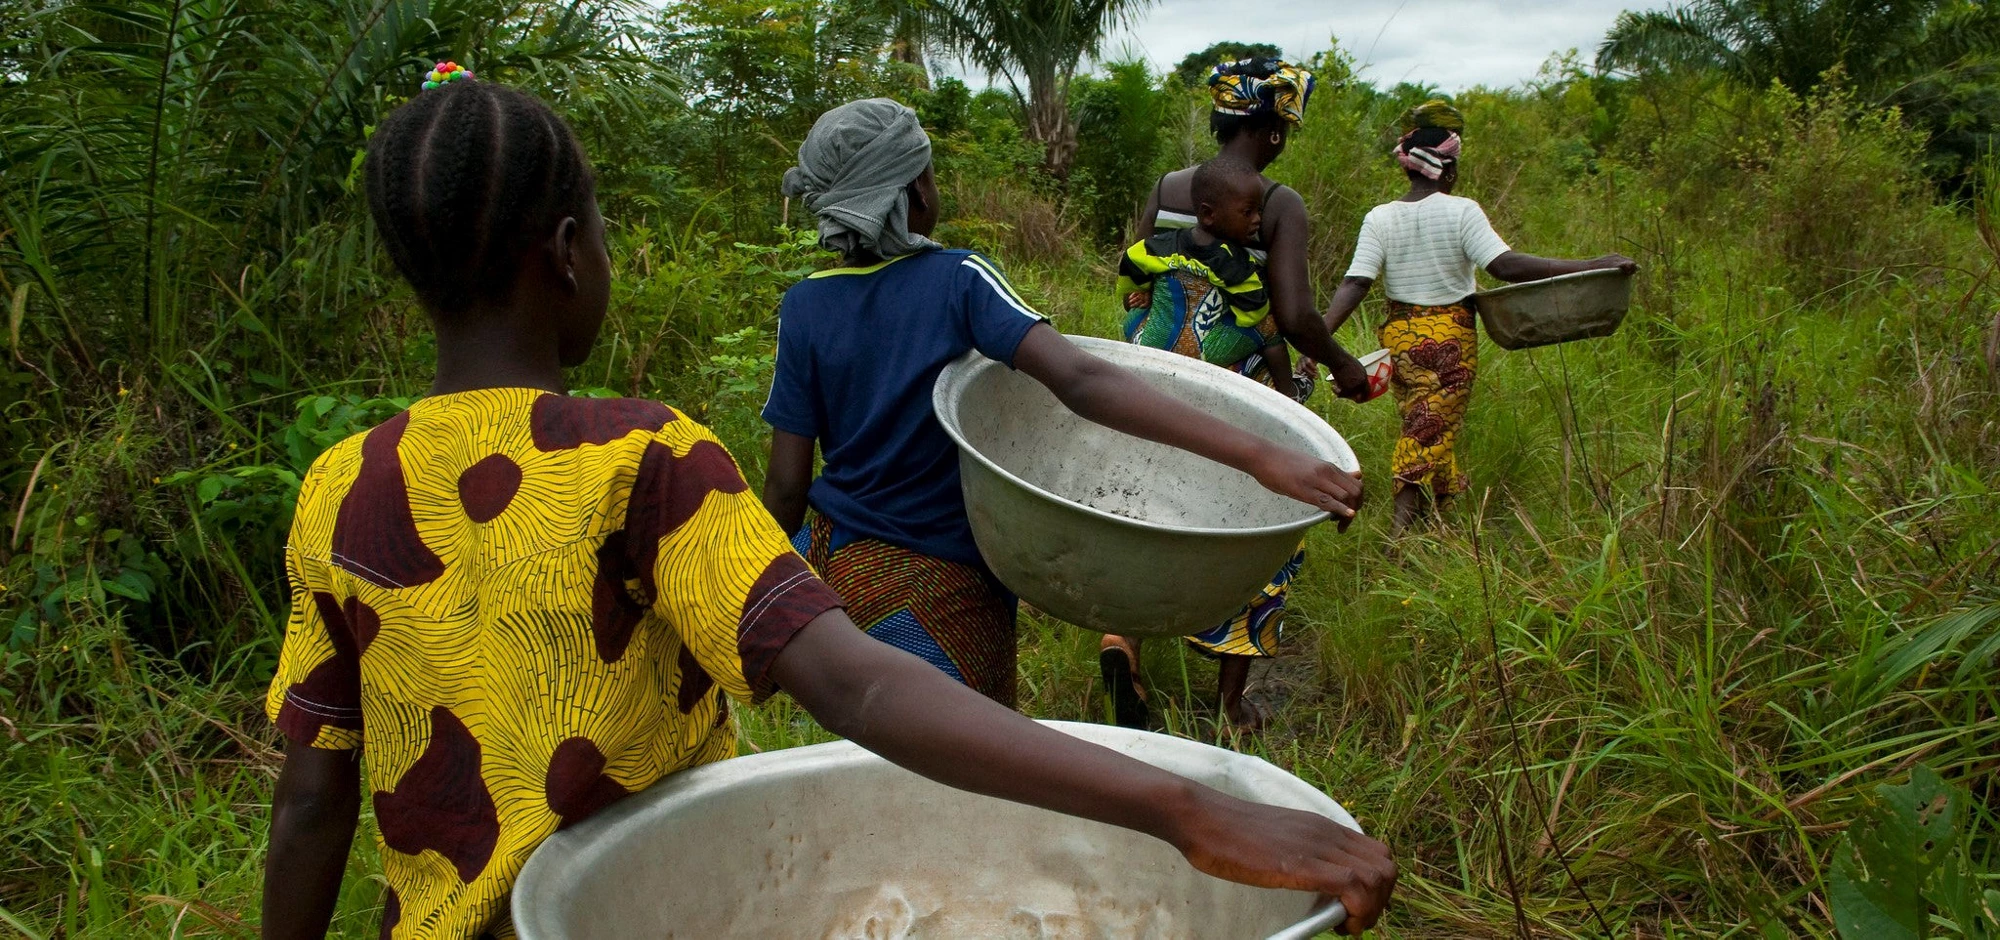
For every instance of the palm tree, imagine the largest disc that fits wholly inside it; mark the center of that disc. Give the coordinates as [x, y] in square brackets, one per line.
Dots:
[909, 38]
[1881, 45]
[1040, 41]
[148, 138]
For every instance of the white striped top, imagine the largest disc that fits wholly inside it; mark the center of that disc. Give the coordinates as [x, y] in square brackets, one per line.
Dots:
[1426, 252]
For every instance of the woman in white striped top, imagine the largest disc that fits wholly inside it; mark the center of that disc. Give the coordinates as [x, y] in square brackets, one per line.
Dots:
[1425, 248]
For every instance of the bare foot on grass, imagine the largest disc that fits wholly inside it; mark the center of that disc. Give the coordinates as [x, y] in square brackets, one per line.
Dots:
[1244, 715]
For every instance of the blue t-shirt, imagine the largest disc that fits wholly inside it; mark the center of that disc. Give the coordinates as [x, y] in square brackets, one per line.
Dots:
[858, 352]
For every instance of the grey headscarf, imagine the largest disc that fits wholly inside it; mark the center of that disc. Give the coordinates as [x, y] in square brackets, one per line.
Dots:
[853, 173]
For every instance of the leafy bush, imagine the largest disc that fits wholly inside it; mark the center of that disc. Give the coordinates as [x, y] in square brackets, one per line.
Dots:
[1844, 190]
[1118, 123]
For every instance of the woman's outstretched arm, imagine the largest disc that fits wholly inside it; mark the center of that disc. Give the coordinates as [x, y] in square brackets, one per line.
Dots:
[1515, 267]
[904, 709]
[1115, 398]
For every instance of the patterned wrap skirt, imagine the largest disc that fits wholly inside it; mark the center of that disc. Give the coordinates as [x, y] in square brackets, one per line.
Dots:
[954, 616]
[1436, 350]
[1256, 629]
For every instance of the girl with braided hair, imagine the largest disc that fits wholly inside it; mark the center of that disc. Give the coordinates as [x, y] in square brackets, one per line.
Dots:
[526, 606]
[1425, 247]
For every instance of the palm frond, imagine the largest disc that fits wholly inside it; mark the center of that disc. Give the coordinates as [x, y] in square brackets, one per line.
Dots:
[1878, 45]
[1039, 43]
[1695, 36]
[149, 138]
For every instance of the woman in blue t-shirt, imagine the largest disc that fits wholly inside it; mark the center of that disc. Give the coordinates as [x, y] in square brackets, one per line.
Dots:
[859, 347]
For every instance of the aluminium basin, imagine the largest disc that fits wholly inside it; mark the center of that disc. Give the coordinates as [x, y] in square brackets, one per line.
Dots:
[1560, 309]
[830, 842]
[1114, 533]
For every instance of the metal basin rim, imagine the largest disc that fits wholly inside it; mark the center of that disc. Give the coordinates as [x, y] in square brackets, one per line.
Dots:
[960, 374]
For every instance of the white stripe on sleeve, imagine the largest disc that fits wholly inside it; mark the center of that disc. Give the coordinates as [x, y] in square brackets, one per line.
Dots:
[1005, 293]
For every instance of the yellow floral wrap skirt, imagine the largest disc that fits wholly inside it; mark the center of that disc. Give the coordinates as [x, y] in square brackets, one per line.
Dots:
[1436, 350]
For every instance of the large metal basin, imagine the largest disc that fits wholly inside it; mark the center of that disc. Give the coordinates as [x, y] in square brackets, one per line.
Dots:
[1111, 532]
[830, 842]
[1556, 310]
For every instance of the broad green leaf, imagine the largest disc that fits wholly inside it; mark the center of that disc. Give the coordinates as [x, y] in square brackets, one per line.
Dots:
[25, 629]
[1879, 871]
[119, 587]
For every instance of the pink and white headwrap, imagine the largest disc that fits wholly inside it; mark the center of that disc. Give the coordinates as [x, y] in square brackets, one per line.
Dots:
[1430, 161]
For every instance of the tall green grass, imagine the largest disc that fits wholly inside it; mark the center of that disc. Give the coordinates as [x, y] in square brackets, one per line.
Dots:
[1720, 573]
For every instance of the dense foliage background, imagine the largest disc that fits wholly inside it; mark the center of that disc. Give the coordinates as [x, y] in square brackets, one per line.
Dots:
[1723, 573]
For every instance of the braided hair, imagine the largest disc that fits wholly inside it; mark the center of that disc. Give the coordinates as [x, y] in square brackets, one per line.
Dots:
[465, 178]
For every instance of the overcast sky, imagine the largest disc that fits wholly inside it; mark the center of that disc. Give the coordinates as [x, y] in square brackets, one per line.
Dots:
[1452, 44]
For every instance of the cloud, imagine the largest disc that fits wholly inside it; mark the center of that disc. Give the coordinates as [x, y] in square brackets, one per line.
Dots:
[1451, 44]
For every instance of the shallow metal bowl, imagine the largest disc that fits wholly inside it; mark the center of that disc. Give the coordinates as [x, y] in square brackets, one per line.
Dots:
[1111, 532]
[832, 842]
[1556, 310]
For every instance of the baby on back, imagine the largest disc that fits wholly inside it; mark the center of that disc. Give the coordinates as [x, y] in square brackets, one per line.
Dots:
[1199, 291]
[1229, 201]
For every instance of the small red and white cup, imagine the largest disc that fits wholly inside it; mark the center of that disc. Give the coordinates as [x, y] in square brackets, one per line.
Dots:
[1379, 367]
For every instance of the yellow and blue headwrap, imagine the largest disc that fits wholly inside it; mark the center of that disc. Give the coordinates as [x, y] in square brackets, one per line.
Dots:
[1254, 86]
[1437, 113]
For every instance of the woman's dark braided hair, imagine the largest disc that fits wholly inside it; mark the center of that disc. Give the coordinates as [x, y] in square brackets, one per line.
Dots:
[466, 177]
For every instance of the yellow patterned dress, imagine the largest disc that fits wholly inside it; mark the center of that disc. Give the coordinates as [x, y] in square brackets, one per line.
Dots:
[1436, 350]
[523, 607]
